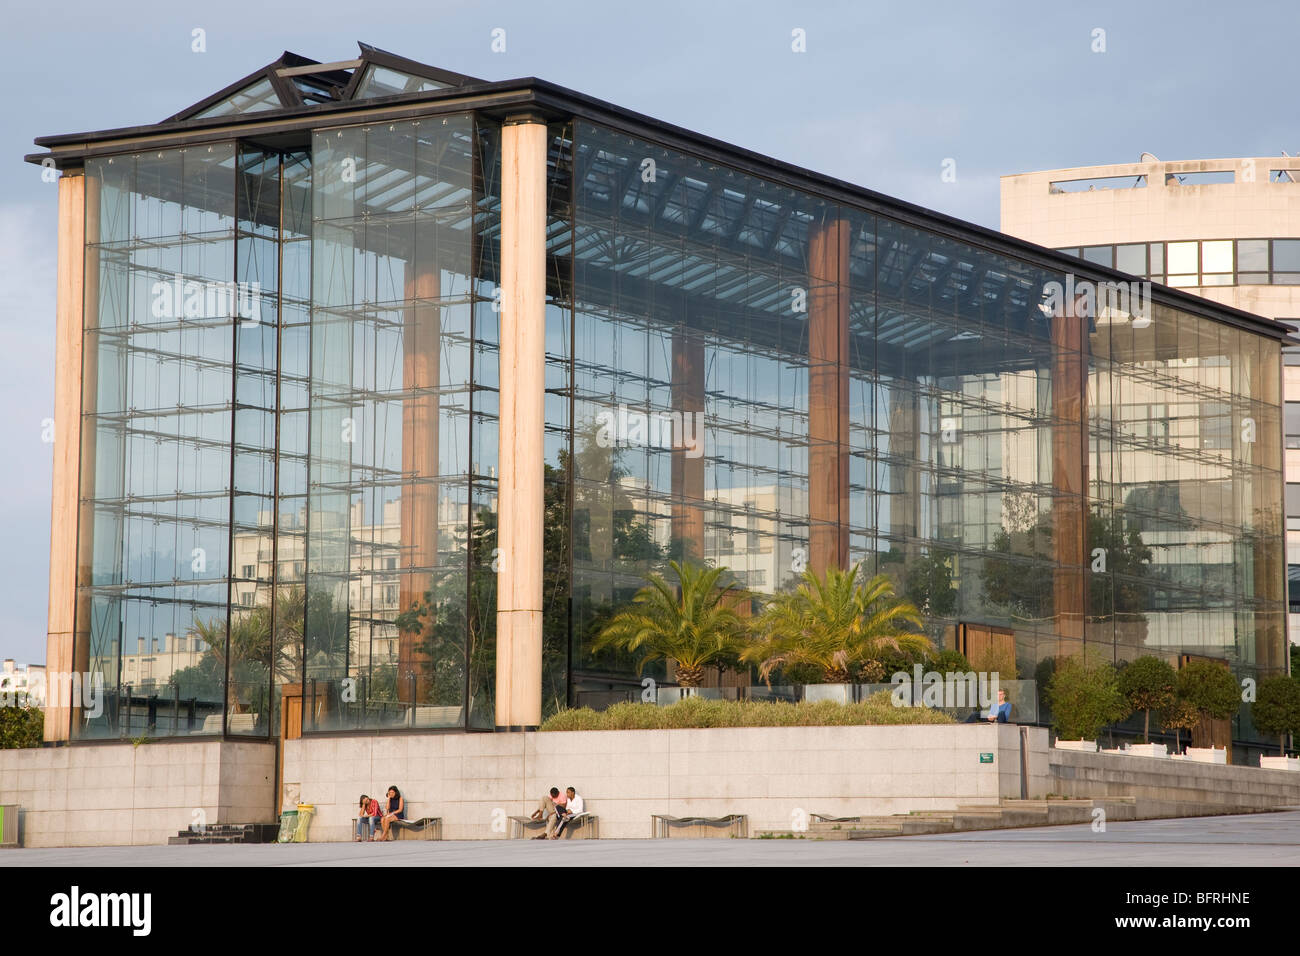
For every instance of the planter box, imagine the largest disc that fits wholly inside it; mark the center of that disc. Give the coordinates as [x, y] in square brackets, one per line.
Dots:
[1147, 750]
[840, 693]
[1207, 754]
[1087, 746]
[1279, 763]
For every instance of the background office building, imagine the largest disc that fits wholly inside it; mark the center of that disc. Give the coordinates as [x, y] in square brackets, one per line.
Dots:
[1224, 229]
[386, 379]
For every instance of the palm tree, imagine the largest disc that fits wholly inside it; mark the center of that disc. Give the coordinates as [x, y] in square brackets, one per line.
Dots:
[835, 623]
[692, 622]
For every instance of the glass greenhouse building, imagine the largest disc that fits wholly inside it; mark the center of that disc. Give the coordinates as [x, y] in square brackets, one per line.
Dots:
[391, 384]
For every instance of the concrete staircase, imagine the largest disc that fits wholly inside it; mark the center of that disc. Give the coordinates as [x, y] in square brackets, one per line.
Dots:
[227, 833]
[1005, 815]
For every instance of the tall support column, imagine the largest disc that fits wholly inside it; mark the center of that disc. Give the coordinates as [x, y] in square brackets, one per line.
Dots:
[1070, 472]
[688, 471]
[60, 636]
[522, 422]
[828, 395]
[419, 520]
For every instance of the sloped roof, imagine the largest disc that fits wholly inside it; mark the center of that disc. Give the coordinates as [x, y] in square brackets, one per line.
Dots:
[293, 81]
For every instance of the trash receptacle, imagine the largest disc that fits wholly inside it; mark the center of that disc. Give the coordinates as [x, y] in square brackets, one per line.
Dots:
[305, 813]
[9, 825]
[288, 826]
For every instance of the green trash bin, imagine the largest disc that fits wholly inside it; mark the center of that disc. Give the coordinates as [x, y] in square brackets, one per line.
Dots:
[305, 812]
[288, 826]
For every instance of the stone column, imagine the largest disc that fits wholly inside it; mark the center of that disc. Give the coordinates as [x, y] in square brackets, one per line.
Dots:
[60, 641]
[520, 451]
[828, 395]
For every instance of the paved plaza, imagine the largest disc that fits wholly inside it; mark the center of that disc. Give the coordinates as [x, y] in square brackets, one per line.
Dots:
[1265, 839]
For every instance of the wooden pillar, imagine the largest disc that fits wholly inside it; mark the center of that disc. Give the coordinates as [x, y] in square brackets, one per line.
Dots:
[520, 450]
[60, 638]
[688, 472]
[418, 541]
[1070, 472]
[828, 395]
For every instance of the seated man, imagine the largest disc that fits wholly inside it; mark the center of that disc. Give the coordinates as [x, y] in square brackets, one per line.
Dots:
[997, 713]
[543, 812]
[574, 805]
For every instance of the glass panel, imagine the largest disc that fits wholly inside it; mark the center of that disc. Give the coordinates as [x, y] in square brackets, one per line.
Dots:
[1157, 257]
[1132, 258]
[156, 450]
[1102, 255]
[1252, 255]
[1216, 256]
[1286, 255]
[391, 531]
[382, 81]
[254, 98]
[1182, 258]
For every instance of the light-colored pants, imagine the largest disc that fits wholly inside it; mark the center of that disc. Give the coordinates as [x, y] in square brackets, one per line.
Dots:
[364, 825]
[548, 814]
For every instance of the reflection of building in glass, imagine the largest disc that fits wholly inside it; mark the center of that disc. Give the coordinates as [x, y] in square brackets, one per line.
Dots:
[1227, 230]
[25, 684]
[386, 502]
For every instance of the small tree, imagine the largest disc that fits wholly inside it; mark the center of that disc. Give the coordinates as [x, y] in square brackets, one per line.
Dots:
[1179, 715]
[1211, 689]
[692, 621]
[1084, 696]
[836, 622]
[1277, 708]
[1148, 684]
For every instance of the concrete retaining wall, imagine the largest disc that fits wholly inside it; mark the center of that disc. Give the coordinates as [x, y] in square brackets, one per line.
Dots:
[474, 781]
[1171, 788]
[119, 794]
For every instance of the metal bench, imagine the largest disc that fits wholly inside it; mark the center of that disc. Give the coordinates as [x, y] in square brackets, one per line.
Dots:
[425, 828]
[586, 825]
[734, 825]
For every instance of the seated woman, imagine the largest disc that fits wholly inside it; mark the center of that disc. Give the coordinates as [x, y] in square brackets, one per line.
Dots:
[396, 810]
[367, 819]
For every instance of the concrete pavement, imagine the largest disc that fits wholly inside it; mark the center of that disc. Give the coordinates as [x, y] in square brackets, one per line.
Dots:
[1264, 839]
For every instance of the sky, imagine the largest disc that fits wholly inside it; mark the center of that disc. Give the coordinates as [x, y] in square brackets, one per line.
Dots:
[885, 95]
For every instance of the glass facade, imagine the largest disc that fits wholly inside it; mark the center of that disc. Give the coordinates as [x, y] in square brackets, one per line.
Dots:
[289, 462]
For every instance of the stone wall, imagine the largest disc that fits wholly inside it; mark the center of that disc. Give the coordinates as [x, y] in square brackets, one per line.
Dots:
[118, 794]
[474, 781]
[1171, 788]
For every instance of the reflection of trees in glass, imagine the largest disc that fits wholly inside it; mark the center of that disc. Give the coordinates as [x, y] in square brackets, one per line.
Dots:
[1024, 587]
[632, 547]
[252, 651]
[631, 537]
[928, 585]
[452, 623]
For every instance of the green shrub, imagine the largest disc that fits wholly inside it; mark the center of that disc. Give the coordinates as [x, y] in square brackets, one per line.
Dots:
[949, 661]
[1084, 696]
[1276, 709]
[21, 727]
[695, 712]
[1210, 688]
[1148, 684]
